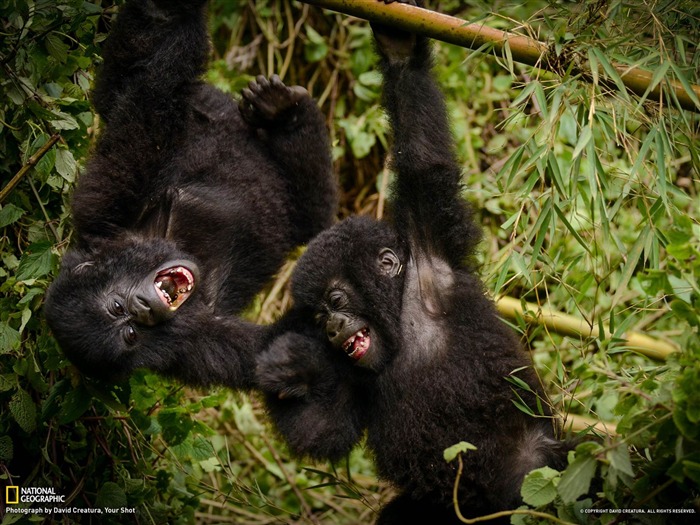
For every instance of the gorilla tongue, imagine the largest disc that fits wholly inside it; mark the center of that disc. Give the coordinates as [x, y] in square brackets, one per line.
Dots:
[174, 285]
[356, 346]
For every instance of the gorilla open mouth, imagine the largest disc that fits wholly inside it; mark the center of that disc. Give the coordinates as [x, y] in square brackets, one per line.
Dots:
[357, 344]
[174, 285]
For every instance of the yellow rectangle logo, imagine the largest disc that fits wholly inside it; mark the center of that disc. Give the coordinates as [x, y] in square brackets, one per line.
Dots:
[12, 494]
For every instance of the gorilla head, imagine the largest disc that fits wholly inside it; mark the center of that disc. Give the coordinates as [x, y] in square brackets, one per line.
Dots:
[105, 318]
[351, 277]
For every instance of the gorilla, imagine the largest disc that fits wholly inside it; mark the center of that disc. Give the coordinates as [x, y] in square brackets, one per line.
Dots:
[189, 204]
[392, 333]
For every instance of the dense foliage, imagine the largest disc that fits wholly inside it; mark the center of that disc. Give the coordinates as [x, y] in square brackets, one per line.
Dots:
[589, 198]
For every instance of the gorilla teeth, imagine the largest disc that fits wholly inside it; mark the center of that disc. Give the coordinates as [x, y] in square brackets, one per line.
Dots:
[357, 345]
[174, 285]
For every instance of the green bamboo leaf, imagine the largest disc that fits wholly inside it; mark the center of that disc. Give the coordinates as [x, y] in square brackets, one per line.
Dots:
[643, 150]
[541, 100]
[571, 229]
[593, 64]
[583, 139]
[680, 75]
[611, 72]
[631, 263]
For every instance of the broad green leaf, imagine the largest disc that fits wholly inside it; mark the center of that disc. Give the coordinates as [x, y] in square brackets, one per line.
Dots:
[10, 214]
[7, 451]
[9, 338]
[111, 496]
[37, 261]
[23, 410]
[56, 47]
[65, 164]
[540, 487]
[176, 425]
[576, 479]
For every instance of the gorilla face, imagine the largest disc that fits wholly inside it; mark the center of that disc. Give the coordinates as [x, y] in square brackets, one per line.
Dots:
[352, 282]
[123, 312]
[347, 327]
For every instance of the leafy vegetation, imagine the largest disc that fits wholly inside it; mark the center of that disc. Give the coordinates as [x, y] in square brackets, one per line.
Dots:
[589, 199]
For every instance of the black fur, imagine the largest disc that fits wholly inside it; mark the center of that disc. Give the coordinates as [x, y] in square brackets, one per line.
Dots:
[435, 371]
[181, 173]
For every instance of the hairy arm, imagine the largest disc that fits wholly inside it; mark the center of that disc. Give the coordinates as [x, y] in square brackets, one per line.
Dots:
[429, 210]
[152, 59]
[309, 398]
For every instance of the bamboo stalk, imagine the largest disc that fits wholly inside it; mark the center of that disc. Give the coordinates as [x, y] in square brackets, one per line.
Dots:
[573, 326]
[33, 160]
[473, 36]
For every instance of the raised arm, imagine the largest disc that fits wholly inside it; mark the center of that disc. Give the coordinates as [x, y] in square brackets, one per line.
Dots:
[152, 59]
[155, 48]
[428, 206]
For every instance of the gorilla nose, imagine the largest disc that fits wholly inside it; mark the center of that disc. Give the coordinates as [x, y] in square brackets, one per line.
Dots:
[142, 312]
[334, 326]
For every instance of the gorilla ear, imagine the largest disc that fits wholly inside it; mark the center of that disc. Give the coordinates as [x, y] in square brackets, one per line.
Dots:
[76, 260]
[389, 263]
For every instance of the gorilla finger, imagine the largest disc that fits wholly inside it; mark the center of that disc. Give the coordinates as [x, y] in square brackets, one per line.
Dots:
[262, 81]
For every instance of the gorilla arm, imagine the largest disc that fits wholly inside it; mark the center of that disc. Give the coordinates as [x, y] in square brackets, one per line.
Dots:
[153, 57]
[429, 210]
[309, 398]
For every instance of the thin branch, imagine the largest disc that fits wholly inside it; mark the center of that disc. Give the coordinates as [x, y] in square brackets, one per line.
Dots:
[34, 159]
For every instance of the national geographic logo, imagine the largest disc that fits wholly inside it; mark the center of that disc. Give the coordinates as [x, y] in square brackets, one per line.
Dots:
[12, 495]
[15, 495]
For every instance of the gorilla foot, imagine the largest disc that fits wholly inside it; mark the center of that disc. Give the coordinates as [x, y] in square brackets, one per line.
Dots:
[269, 101]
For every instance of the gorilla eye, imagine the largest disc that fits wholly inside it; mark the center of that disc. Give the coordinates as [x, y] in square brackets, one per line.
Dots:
[118, 308]
[336, 299]
[129, 335]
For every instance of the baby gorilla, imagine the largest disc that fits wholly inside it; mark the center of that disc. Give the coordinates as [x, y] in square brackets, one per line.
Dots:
[391, 332]
[189, 205]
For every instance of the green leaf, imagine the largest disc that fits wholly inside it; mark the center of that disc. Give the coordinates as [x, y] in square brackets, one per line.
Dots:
[74, 405]
[9, 214]
[576, 479]
[37, 261]
[176, 424]
[65, 164]
[619, 458]
[56, 47]
[63, 121]
[315, 48]
[583, 140]
[7, 382]
[23, 410]
[540, 486]
[111, 496]
[9, 338]
[452, 452]
[631, 263]
[7, 451]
